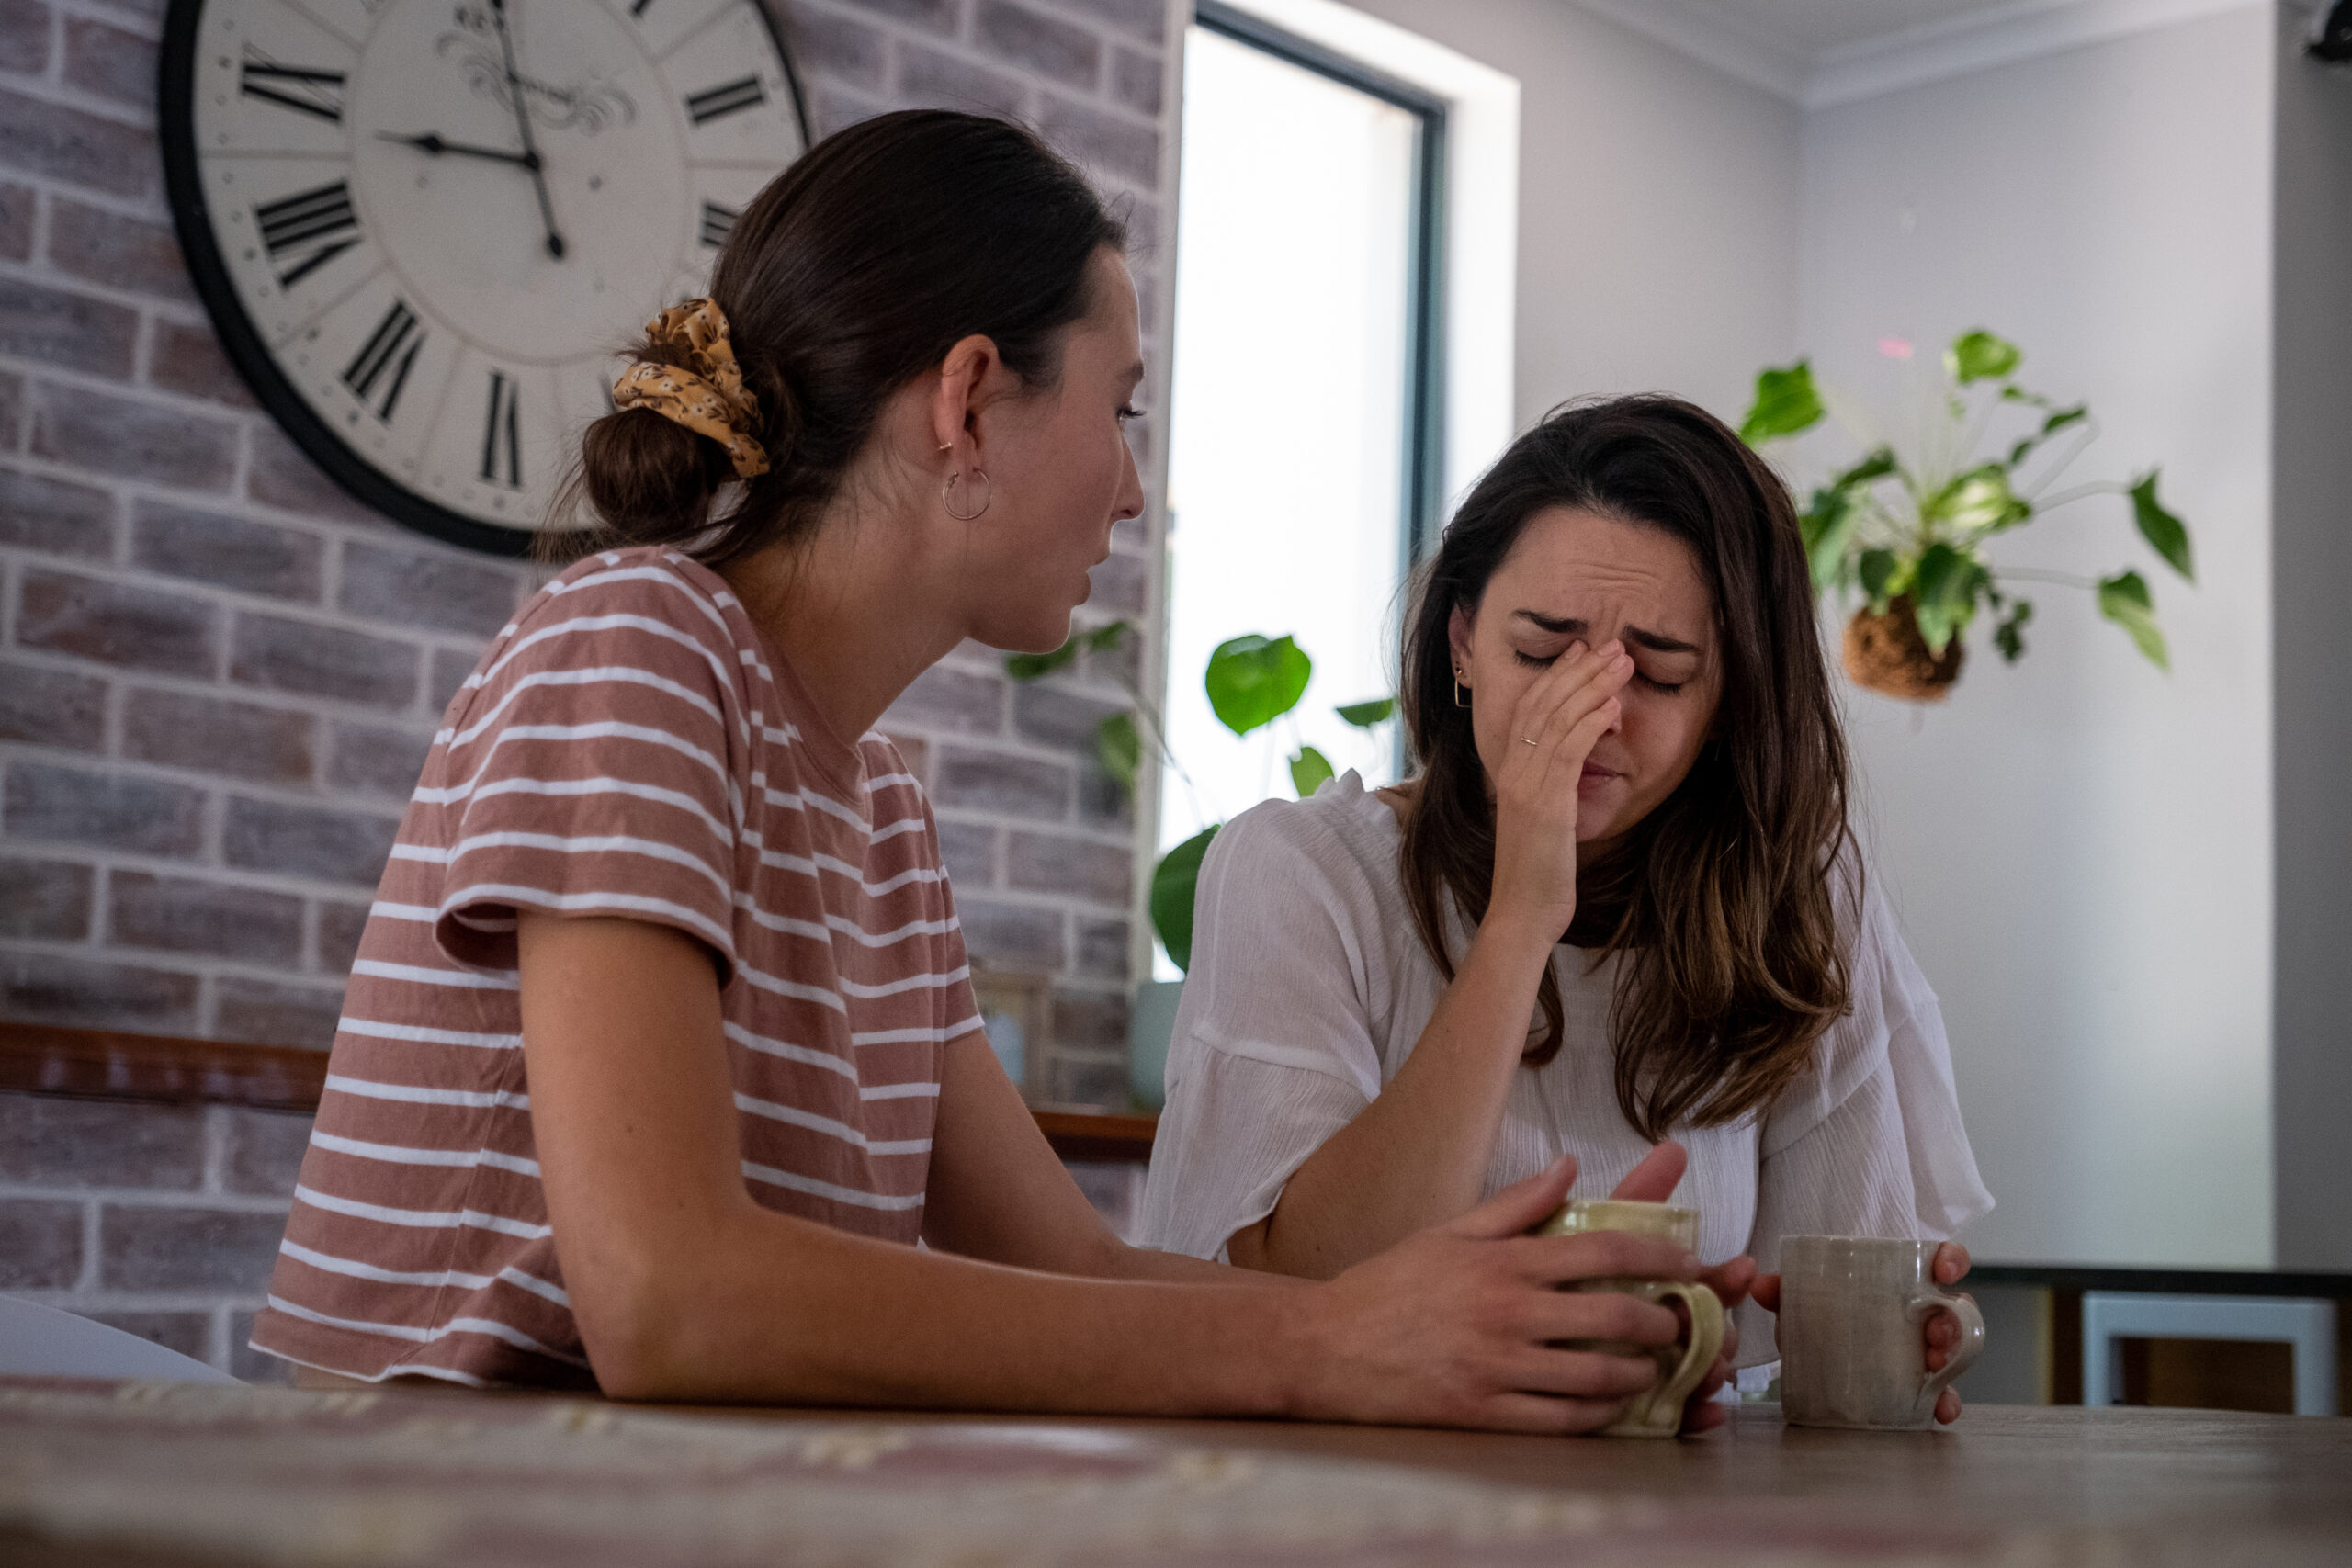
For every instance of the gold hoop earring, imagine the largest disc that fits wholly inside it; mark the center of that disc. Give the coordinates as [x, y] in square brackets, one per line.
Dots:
[1457, 690]
[947, 492]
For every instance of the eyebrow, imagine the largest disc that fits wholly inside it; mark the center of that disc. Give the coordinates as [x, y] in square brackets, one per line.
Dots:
[1568, 625]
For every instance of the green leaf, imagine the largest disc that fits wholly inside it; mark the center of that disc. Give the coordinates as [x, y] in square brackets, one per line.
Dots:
[1172, 885]
[1944, 594]
[2124, 598]
[1978, 502]
[1120, 748]
[1309, 769]
[2168, 535]
[1828, 529]
[2009, 635]
[1874, 466]
[1252, 682]
[1786, 403]
[1029, 666]
[1363, 716]
[2050, 427]
[1877, 571]
[1981, 357]
[1105, 637]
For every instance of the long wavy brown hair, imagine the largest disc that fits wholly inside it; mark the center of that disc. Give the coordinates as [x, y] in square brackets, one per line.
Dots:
[1721, 901]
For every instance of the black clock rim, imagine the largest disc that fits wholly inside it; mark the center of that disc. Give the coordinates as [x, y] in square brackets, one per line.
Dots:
[191, 219]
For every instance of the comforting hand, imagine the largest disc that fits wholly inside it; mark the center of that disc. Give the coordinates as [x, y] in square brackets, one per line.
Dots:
[1553, 729]
[1939, 1336]
[1459, 1325]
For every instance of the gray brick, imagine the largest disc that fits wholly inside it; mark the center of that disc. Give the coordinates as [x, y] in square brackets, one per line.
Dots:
[1090, 1020]
[969, 848]
[1103, 949]
[141, 628]
[1056, 716]
[249, 1365]
[188, 359]
[214, 734]
[838, 46]
[113, 811]
[40, 988]
[412, 588]
[24, 37]
[186, 914]
[450, 668]
[1143, 19]
[188, 1333]
[262, 1150]
[833, 108]
[1120, 582]
[1135, 80]
[340, 929]
[1042, 45]
[52, 708]
[186, 1249]
[15, 221]
[1070, 867]
[377, 761]
[109, 63]
[12, 410]
[260, 1013]
[133, 253]
[38, 514]
[280, 476]
[939, 16]
[1106, 143]
[928, 79]
[1120, 665]
[1093, 1079]
[1011, 936]
[58, 327]
[1103, 801]
[231, 552]
[41, 1245]
[44, 138]
[95, 1142]
[967, 778]
[307, 840]
[46, 900]
[134, 440]
[958, 699]
[283, 655]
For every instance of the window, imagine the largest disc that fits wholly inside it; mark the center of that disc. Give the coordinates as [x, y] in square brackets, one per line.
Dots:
[1305, 441]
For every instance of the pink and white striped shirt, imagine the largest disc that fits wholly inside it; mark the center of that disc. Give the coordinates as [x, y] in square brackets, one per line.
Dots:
[627, 747]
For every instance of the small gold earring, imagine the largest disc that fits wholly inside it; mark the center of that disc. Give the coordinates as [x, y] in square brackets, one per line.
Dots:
[1457, 690]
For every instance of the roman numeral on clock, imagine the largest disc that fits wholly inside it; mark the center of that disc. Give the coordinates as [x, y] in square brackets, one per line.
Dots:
[297, 87]
[717, 222]
[385, 360]
[726, 99]
[311, 228]
[501, 444]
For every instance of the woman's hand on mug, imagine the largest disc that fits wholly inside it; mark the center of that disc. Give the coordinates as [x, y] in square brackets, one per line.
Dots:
[1459, 1325]
[1553, 726]
[1939, 1336]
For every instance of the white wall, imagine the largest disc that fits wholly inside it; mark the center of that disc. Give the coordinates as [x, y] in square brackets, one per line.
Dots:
[1658, 206]
[2080, 846]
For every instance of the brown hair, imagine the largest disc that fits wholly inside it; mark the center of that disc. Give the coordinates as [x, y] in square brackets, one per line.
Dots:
[1721, 899]
[854, 272]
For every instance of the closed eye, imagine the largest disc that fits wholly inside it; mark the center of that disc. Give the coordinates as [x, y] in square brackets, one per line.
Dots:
[1127, 414]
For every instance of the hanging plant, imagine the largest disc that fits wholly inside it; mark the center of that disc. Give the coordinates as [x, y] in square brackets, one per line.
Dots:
[1907, 531]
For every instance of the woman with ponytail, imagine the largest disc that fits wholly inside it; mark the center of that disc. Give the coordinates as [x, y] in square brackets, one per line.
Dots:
[659, 1055]
[1617, 914]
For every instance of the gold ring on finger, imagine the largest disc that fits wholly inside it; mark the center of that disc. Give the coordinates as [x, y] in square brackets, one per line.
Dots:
[1527, 741]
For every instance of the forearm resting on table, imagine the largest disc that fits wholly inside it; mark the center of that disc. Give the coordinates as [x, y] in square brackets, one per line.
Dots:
[1418, 1154]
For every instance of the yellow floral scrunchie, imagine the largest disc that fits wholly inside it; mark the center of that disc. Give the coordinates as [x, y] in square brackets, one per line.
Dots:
[707, 396]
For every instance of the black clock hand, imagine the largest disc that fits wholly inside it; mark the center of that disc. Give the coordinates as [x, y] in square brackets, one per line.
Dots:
[433, 142]
[523, 125]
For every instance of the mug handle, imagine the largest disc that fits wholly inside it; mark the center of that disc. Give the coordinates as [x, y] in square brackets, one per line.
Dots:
[1924, 1304]
[1706, 1310]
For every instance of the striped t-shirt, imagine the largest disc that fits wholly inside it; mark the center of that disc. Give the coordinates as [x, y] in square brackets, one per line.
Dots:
[627, 747]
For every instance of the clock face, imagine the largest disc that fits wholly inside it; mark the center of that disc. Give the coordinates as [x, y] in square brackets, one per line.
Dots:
[424, 228]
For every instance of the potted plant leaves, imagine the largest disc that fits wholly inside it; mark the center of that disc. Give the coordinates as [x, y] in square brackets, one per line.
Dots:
[1907, 528]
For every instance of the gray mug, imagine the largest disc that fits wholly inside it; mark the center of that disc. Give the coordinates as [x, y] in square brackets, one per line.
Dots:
[1852, 1350]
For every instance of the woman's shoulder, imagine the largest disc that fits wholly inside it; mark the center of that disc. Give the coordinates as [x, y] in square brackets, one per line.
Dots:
[1342, 839]
[655, 582]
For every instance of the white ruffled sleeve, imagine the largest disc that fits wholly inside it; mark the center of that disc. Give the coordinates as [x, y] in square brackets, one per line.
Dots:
[1273, 1051]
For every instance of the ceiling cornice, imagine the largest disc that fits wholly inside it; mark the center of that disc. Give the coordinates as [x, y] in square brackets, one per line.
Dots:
[2003, 36]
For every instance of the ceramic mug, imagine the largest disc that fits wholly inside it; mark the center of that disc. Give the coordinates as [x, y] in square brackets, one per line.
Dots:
[1658, 1411]
[1852, 1309]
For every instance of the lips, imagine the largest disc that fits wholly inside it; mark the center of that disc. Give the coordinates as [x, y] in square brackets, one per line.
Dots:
[1595, 776]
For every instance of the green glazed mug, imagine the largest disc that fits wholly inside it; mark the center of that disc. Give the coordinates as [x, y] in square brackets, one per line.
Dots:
[1658, 1411]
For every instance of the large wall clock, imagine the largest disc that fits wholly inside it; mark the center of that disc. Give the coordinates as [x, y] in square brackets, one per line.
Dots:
[422, 227]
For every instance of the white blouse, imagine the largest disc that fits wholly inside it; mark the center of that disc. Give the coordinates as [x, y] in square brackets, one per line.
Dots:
[1309, 987]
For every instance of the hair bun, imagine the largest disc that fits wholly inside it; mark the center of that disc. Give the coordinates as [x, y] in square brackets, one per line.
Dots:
[645, 476]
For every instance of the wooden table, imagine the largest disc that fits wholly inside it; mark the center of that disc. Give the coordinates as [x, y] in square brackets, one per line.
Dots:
[160, 1476]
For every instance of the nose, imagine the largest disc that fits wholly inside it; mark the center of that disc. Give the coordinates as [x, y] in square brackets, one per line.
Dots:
[1128, 502]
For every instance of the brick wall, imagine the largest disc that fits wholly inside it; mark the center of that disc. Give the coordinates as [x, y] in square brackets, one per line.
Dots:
[218, 674]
